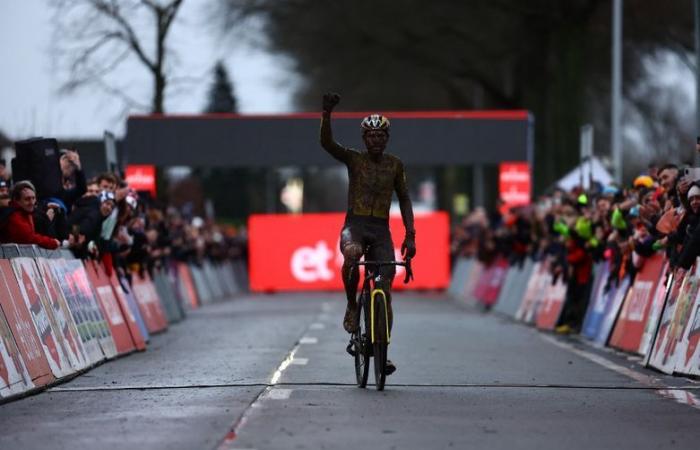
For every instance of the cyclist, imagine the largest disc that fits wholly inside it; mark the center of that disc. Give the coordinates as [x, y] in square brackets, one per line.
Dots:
[374, 176]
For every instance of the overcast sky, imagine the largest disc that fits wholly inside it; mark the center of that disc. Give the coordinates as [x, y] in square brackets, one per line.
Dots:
[30, 104]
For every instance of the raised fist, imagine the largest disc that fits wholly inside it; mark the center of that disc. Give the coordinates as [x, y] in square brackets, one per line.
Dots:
[330, 99]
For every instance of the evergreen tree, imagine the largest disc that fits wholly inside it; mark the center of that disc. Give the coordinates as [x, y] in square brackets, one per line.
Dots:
[221, 97]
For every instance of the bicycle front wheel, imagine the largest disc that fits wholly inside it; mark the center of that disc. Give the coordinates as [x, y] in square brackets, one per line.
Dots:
[381, 340]
[362, 344]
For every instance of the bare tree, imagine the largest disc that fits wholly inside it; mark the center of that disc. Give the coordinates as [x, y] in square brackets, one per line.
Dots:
[94, 37]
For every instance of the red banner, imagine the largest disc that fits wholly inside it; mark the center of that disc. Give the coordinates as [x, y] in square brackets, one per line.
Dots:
[301, 252]
[514, 183]
[141, 178]
[629, 328]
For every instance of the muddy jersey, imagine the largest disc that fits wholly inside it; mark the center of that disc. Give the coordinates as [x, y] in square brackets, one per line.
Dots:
[372, 181]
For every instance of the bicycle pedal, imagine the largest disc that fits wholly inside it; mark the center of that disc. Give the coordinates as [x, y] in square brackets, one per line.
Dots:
[350, 349]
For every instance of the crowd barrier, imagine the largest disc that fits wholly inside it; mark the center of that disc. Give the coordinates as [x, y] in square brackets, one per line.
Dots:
[60, 316]
[654, 314]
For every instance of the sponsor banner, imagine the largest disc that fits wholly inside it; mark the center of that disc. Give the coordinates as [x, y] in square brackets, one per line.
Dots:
[630, 326]
[665, 349]
[688, 359]
[467, 295]
[552, 305]
[125, 293]
[612, 310]
[186, 285]
[534, 294]
[78, 278]
[20, 323]
[514, 290]
[107, 300]
[14, 377]
[130, 312]
[173, 312]
[149, 303]
[657, 306]
[203, 291]
[514, 184]
[34, 297]
[301, 252]
[61, 311]
[460, 273]
[603, 291]
[141, 178]
[88, 330]
[489, 285]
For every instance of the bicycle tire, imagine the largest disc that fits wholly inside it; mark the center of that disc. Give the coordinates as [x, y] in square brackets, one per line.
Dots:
[381, 340]
[361, 342]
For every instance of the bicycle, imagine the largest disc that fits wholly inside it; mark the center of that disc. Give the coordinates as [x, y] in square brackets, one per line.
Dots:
[372, 337]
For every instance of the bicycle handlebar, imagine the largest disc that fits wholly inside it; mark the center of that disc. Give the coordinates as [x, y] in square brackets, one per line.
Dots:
[406, 264]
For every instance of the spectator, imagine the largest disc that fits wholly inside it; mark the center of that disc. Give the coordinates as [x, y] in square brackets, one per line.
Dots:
[18, 228]
[73, 179]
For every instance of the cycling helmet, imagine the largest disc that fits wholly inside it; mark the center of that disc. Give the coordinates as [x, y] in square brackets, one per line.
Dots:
[375, 122]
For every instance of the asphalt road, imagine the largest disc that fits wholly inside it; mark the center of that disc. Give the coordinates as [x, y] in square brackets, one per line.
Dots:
[271, 372]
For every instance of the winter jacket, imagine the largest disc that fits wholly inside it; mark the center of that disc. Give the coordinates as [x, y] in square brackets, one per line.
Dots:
[19, 229]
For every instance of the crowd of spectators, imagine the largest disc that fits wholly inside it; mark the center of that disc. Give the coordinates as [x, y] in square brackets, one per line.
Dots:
[103, 218]
[571, 231]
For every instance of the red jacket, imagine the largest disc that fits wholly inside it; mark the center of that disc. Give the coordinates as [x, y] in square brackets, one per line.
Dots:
[19, 229]
[580, 260]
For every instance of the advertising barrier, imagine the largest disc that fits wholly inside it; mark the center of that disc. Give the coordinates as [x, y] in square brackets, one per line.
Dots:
[64, 319]
[612, 310]
[149, 303]
[111, 310]
[489, 285]
[634, 314]
[14, 378]
[665, 351]
[604, 289]
[513, 288]
[20, 323]
[688, 359]
[35, 301]
[80, 283]
[306, 256]
[203, 290]
[460, 273]
[130, 311]
[467, 295]
[552, 304]
[186, 286]
[86, 324]
[126, 298]
[171, 306]
[534, 294]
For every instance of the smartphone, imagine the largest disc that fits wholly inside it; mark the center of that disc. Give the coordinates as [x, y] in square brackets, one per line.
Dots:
[692, 173]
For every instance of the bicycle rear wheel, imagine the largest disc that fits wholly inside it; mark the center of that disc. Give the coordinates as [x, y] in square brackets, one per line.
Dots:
[362, 344]
[381, 340]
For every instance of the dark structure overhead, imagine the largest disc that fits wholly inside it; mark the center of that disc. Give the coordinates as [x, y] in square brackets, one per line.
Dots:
[419, 138]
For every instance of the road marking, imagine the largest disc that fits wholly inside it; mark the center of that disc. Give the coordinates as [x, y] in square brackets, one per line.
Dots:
[287, 361]
[308, 340]
[277, 394]
[317, 326]
[300, 361]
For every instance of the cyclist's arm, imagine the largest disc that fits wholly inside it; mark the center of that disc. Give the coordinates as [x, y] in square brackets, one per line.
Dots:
[336, 150]
[404, 200]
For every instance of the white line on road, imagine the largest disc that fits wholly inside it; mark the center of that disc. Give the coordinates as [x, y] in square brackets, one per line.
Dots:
[300, 361]
[277, 394]
[308, 340]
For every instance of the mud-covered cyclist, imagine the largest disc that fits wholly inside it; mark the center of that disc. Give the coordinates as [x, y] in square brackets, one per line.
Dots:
[373, 178]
